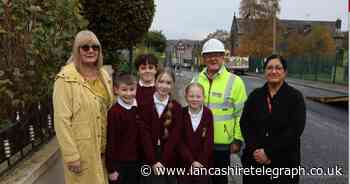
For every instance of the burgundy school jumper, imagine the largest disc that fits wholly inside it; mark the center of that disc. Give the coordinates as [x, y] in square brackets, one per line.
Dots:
[122, 149]
[153, 129]
[144, 95]
[197, 145]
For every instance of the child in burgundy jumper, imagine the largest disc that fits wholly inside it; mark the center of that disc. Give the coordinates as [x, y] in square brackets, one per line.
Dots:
[197, 136]
[122, 151]
[146, 65]
[161, 133]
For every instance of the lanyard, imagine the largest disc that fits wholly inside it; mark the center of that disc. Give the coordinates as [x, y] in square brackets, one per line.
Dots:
[269, 103]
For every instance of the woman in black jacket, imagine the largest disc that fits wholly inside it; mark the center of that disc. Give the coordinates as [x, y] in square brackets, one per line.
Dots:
[272, 122]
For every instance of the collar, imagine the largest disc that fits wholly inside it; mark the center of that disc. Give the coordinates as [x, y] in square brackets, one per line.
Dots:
[125, 105]
[157, 101]
[70, 73]
[221, 70]
[194, 115]
[280, 91]
[145, 85]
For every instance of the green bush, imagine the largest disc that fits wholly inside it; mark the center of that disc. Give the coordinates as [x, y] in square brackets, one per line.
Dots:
[36, 40]
[118, 24]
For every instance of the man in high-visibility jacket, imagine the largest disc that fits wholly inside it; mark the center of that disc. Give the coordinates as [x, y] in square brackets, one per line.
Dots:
[225, 95]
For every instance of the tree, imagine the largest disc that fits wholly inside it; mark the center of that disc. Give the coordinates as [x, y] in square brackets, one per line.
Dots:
[258, 9]
[155, 40]
[295, 44]
[119, 24]
[257, 19]
[257, 42]
[320, 41]
[36, 39]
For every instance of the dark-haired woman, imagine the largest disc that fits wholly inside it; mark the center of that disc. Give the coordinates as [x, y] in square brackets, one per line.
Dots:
[272, 122]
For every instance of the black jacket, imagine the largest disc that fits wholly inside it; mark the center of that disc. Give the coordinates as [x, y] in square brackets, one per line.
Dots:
[277, 132]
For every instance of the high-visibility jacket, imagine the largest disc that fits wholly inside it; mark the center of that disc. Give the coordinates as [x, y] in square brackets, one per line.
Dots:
[225, 96]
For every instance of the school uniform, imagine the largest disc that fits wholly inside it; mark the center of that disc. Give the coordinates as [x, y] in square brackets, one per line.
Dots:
[160, 143]
[197, 143]
[122, 150]
[144, 94]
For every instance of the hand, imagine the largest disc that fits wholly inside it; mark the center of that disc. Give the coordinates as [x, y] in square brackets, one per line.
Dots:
[196, 164]
[260, 156]
[235, 148]
[268, 162]
[113, 176]
[156, 167]
[74, 166]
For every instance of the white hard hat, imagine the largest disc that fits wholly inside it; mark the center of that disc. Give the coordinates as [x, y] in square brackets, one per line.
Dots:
[213, 45]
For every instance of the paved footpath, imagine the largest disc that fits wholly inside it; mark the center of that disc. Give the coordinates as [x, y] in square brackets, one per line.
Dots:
[54, 175]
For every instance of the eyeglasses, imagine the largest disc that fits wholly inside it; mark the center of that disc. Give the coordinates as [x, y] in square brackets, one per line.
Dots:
[277, 68]
[86, 47]
[213, 54]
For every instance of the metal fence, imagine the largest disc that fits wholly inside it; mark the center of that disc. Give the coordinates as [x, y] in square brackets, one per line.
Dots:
[330, 69]
[27, 131]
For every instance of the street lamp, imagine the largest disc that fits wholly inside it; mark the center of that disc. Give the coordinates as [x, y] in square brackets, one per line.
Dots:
[273, 4]
[338, 48]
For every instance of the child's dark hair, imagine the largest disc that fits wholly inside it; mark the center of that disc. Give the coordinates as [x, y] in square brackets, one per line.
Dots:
[144, 59]
[276, 56]
[124, 78]
[194, 84]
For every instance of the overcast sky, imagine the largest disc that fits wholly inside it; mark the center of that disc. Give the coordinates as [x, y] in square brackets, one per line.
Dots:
[194, 19]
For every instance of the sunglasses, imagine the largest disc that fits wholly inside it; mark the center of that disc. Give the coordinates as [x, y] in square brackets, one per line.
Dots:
[86, 47]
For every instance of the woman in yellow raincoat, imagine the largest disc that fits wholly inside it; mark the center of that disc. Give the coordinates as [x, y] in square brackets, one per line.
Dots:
[82, 96]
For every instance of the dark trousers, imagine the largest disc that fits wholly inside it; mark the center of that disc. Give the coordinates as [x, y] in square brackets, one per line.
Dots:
[248, 162]
[221, 160]
[129, 173]
[158, 179]
[261, 179]
[195, 180]
[154, 179]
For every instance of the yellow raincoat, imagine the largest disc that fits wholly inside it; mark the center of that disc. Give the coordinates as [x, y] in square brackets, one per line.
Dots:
[80, 124]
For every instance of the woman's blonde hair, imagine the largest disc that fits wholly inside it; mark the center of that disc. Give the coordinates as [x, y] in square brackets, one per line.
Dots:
[82, 38]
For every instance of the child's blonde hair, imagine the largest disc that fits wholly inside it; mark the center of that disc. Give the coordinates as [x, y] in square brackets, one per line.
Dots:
[194, 84]
[167, 71]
